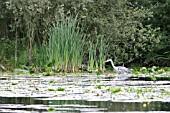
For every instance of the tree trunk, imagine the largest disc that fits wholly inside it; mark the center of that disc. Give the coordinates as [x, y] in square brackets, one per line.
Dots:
[31, 41]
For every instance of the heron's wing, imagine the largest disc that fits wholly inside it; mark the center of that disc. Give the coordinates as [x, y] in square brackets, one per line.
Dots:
[124, 70]
[121, 78]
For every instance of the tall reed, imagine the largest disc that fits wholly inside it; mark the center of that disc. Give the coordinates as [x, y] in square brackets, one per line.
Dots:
[92, 56]
[102, 54]
[65, 45]
[97, 55]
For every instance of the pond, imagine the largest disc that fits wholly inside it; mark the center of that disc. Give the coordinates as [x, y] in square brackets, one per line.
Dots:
[83, 93]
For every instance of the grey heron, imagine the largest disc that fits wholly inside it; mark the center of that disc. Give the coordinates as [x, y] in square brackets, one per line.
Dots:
[119, 69]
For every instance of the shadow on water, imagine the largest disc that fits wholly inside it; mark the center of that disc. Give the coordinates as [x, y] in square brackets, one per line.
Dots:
[41, 105]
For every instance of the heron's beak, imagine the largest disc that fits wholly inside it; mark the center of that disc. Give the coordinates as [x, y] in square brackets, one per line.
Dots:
[105, 61]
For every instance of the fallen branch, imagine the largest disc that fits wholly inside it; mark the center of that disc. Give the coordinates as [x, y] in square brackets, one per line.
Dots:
[2, 67]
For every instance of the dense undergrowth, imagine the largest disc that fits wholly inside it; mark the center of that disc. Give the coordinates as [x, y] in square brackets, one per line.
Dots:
[66, 34]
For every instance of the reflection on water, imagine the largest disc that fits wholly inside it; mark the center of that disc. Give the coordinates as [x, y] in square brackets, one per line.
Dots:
[40, 105]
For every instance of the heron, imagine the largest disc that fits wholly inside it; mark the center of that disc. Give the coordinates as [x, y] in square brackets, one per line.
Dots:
[119, 69]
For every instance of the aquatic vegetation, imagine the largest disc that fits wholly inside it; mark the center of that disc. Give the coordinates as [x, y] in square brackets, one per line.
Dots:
[153, 77]
[98, 81]
[98, 86]
[86, 91]
[64, 50]
[51, 89]
[167, 69]
[91, 88]
[97, 53]
[153, 69]
[98, 72]
[143, 70]
[8, 89]
[114, 90]
[48, 73]
[92, 57]
[153, 73]
[51, 109]
[139, 91]
[57, 89]
[165, 92]
[14, 83]
[52, 81]
[60, 89]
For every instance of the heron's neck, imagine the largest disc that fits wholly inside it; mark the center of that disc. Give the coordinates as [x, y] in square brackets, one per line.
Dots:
[113, 65]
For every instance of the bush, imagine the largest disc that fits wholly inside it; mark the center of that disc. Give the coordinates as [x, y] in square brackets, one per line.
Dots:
[130, 30]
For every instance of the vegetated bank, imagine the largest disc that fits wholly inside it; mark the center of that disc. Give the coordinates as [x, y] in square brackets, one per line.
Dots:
[128, 31]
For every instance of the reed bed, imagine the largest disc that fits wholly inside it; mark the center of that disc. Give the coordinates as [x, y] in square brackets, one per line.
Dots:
[97, 56]
[64, 49]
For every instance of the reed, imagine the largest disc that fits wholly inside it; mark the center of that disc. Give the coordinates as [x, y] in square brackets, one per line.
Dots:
[97, 55]
[102, 54]
[65, 46]
[92, 54]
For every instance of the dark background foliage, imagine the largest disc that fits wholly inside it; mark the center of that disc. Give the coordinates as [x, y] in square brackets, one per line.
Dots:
[136, 32]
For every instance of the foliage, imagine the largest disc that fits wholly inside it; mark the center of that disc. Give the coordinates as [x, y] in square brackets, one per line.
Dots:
[122, 25]
[160, 19]
[25, 22]
[130, 31]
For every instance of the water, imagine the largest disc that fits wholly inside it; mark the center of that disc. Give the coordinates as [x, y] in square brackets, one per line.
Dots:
[82, 94]
[40, 105]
